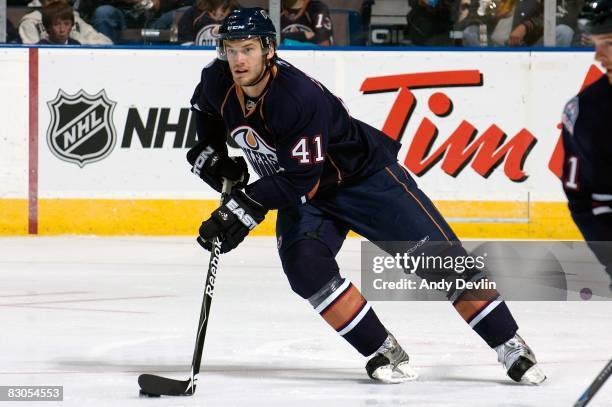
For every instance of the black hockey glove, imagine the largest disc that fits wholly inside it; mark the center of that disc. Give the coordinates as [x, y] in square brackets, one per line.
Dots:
[231, 222]
[212, 167]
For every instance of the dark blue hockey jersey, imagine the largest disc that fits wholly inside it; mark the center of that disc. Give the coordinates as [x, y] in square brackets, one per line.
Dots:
[313, 17]
[587, 139]
[297, 135]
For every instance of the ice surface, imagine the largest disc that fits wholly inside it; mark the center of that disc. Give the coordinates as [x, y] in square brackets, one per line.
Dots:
[92, 313]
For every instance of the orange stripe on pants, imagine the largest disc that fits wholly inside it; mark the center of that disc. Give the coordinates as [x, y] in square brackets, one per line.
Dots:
[344, 308]
[471, 302]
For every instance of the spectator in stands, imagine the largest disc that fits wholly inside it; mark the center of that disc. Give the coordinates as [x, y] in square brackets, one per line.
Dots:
[582, 38]
[58, 20]
[32, 29]
[12, 36]
[429, 22]
[567, 21]
[306, 22]
[199, 25]
[170, 12]
[112, 16]
[499, 23]
[519, 23]
[474, 20]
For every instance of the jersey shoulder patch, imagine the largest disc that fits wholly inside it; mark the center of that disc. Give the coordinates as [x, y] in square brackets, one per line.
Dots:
[570, 115]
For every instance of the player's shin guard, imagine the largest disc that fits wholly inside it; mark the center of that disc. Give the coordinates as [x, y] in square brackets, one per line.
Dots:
[341, 304]
[486, 313]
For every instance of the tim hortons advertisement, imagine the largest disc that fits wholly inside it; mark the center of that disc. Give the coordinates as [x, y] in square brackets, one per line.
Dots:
[473, 125]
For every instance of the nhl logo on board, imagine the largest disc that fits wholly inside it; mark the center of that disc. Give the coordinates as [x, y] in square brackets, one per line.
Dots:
[81, 130]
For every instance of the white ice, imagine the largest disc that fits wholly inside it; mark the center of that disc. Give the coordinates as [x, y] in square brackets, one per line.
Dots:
[92, 313]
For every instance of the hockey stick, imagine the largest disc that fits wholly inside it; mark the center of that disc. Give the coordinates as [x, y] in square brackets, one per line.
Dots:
[595, 386]
[155, 386]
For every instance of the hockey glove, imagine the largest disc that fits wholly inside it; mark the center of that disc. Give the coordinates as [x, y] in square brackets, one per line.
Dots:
[231, 222]
[212, 167]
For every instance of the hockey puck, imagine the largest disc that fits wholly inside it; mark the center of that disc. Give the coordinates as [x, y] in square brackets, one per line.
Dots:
[143, 393]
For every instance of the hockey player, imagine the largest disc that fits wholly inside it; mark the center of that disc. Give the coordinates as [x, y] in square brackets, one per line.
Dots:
[587, 125]
[326, 172]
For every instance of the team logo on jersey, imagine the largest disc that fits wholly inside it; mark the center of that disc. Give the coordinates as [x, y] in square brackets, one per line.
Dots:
[570, 115]
[81, 129]
[261, 156]
[292, 28]
[208, 35]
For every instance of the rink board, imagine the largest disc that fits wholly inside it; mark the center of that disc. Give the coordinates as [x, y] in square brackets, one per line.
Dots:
[125, 114]
[14, 141]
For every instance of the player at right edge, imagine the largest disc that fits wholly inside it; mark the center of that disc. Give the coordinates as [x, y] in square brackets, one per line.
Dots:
[326, 173]
[587, 134]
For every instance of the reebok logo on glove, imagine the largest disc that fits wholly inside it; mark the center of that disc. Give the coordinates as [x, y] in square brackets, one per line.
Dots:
[199, 163]
[244, 217]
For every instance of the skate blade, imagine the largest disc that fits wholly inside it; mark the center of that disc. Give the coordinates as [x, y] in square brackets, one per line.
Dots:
[400, 374]
[534, 375]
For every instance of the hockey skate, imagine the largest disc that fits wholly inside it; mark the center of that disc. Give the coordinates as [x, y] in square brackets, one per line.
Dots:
[519, 361]
[390, 363]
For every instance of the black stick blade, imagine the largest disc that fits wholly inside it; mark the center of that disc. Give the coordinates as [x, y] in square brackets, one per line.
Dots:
[152, 385]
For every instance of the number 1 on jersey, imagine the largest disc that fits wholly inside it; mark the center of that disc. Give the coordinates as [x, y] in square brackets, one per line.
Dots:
[319, 21]
[573, 172]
